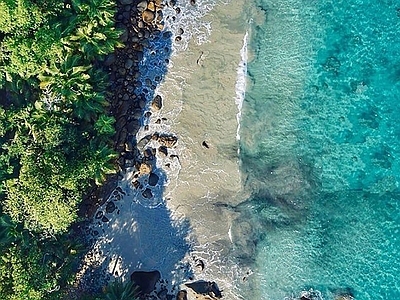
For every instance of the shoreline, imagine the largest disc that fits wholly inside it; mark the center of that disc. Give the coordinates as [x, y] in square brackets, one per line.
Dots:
[152, 156]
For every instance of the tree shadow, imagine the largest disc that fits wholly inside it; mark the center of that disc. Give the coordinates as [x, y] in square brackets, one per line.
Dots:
[134, 229]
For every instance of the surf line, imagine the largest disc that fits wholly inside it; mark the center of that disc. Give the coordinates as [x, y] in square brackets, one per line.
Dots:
[240, 86]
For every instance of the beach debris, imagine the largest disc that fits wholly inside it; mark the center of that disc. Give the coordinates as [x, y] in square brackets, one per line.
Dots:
[205, 145]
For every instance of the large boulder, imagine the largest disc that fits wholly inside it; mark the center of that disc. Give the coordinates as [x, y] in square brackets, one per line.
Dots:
[146, 281]
[205, 288]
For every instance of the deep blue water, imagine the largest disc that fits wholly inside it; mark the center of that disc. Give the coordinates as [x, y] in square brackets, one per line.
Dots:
[320, 148]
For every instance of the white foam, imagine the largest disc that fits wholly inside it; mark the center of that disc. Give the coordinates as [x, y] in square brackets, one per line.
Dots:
[190, 20]
[241, 83]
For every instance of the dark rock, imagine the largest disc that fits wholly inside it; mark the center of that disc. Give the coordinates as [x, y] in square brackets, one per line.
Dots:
[205, 288]
[200, 264]
[146, 281]
[153, 179]
[205, 145]
[167, 140]
[99, 214]
[180, 31]
[128, 63]
[182, 295]
[193, 2]
[147, 193]
[136, 184]
[157, 102]
[104, 219]
[110, 59]
[110, 207]
[163, 150]
[126, 2]
[178, 38]
[143, 142]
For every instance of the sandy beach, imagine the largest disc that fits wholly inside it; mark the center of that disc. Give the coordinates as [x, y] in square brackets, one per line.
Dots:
[183, 220]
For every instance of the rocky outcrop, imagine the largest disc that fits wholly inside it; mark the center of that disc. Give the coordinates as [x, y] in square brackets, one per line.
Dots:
[205, 288]
[146, 281]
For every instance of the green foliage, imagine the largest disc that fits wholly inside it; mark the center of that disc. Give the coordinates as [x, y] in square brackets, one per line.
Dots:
[105, 125]
[33, 268]
[54, 135]
[119, 290]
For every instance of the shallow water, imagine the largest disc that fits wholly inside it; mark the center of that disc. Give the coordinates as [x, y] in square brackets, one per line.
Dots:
[319, 147]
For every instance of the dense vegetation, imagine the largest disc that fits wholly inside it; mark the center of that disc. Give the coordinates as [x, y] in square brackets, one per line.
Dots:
[54, 134]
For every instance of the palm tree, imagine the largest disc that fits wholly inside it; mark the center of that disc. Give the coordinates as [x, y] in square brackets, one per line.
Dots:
[11, 232]
[118, 290]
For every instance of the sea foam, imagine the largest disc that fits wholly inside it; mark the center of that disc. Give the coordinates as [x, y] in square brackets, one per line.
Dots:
[241, 83]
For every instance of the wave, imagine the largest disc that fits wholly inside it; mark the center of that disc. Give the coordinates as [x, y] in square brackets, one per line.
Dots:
[240, 86]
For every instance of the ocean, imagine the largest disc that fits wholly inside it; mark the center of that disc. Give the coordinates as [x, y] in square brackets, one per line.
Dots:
[318, 146]
[284, 181]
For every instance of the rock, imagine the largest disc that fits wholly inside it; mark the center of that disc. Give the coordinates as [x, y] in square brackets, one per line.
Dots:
[128, 146]
[132, 126]
[99, 214]
[167, 140]
[153, 179]
[199, 264]
[156, 104]
[147, 193]
[163, 150]
[205, 288]
[151, 6]
[146, 281]
[110, 60]
[193, 2]
[126, 2]
[110, 207]
[128, 63]
[182, 295]
[145, 169]
[104, 219]
[148, 16]
[143, 142]
[142, 6]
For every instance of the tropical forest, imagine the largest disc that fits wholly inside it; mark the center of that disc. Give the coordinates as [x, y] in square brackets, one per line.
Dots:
[55, 135]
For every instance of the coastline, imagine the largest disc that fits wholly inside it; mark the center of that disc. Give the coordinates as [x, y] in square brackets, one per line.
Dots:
[147, 224]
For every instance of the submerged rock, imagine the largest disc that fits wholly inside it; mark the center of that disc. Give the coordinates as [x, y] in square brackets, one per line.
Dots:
[147, 193]
[153, 179]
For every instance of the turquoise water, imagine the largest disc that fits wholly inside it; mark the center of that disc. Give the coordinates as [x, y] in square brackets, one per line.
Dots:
[320, 147]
